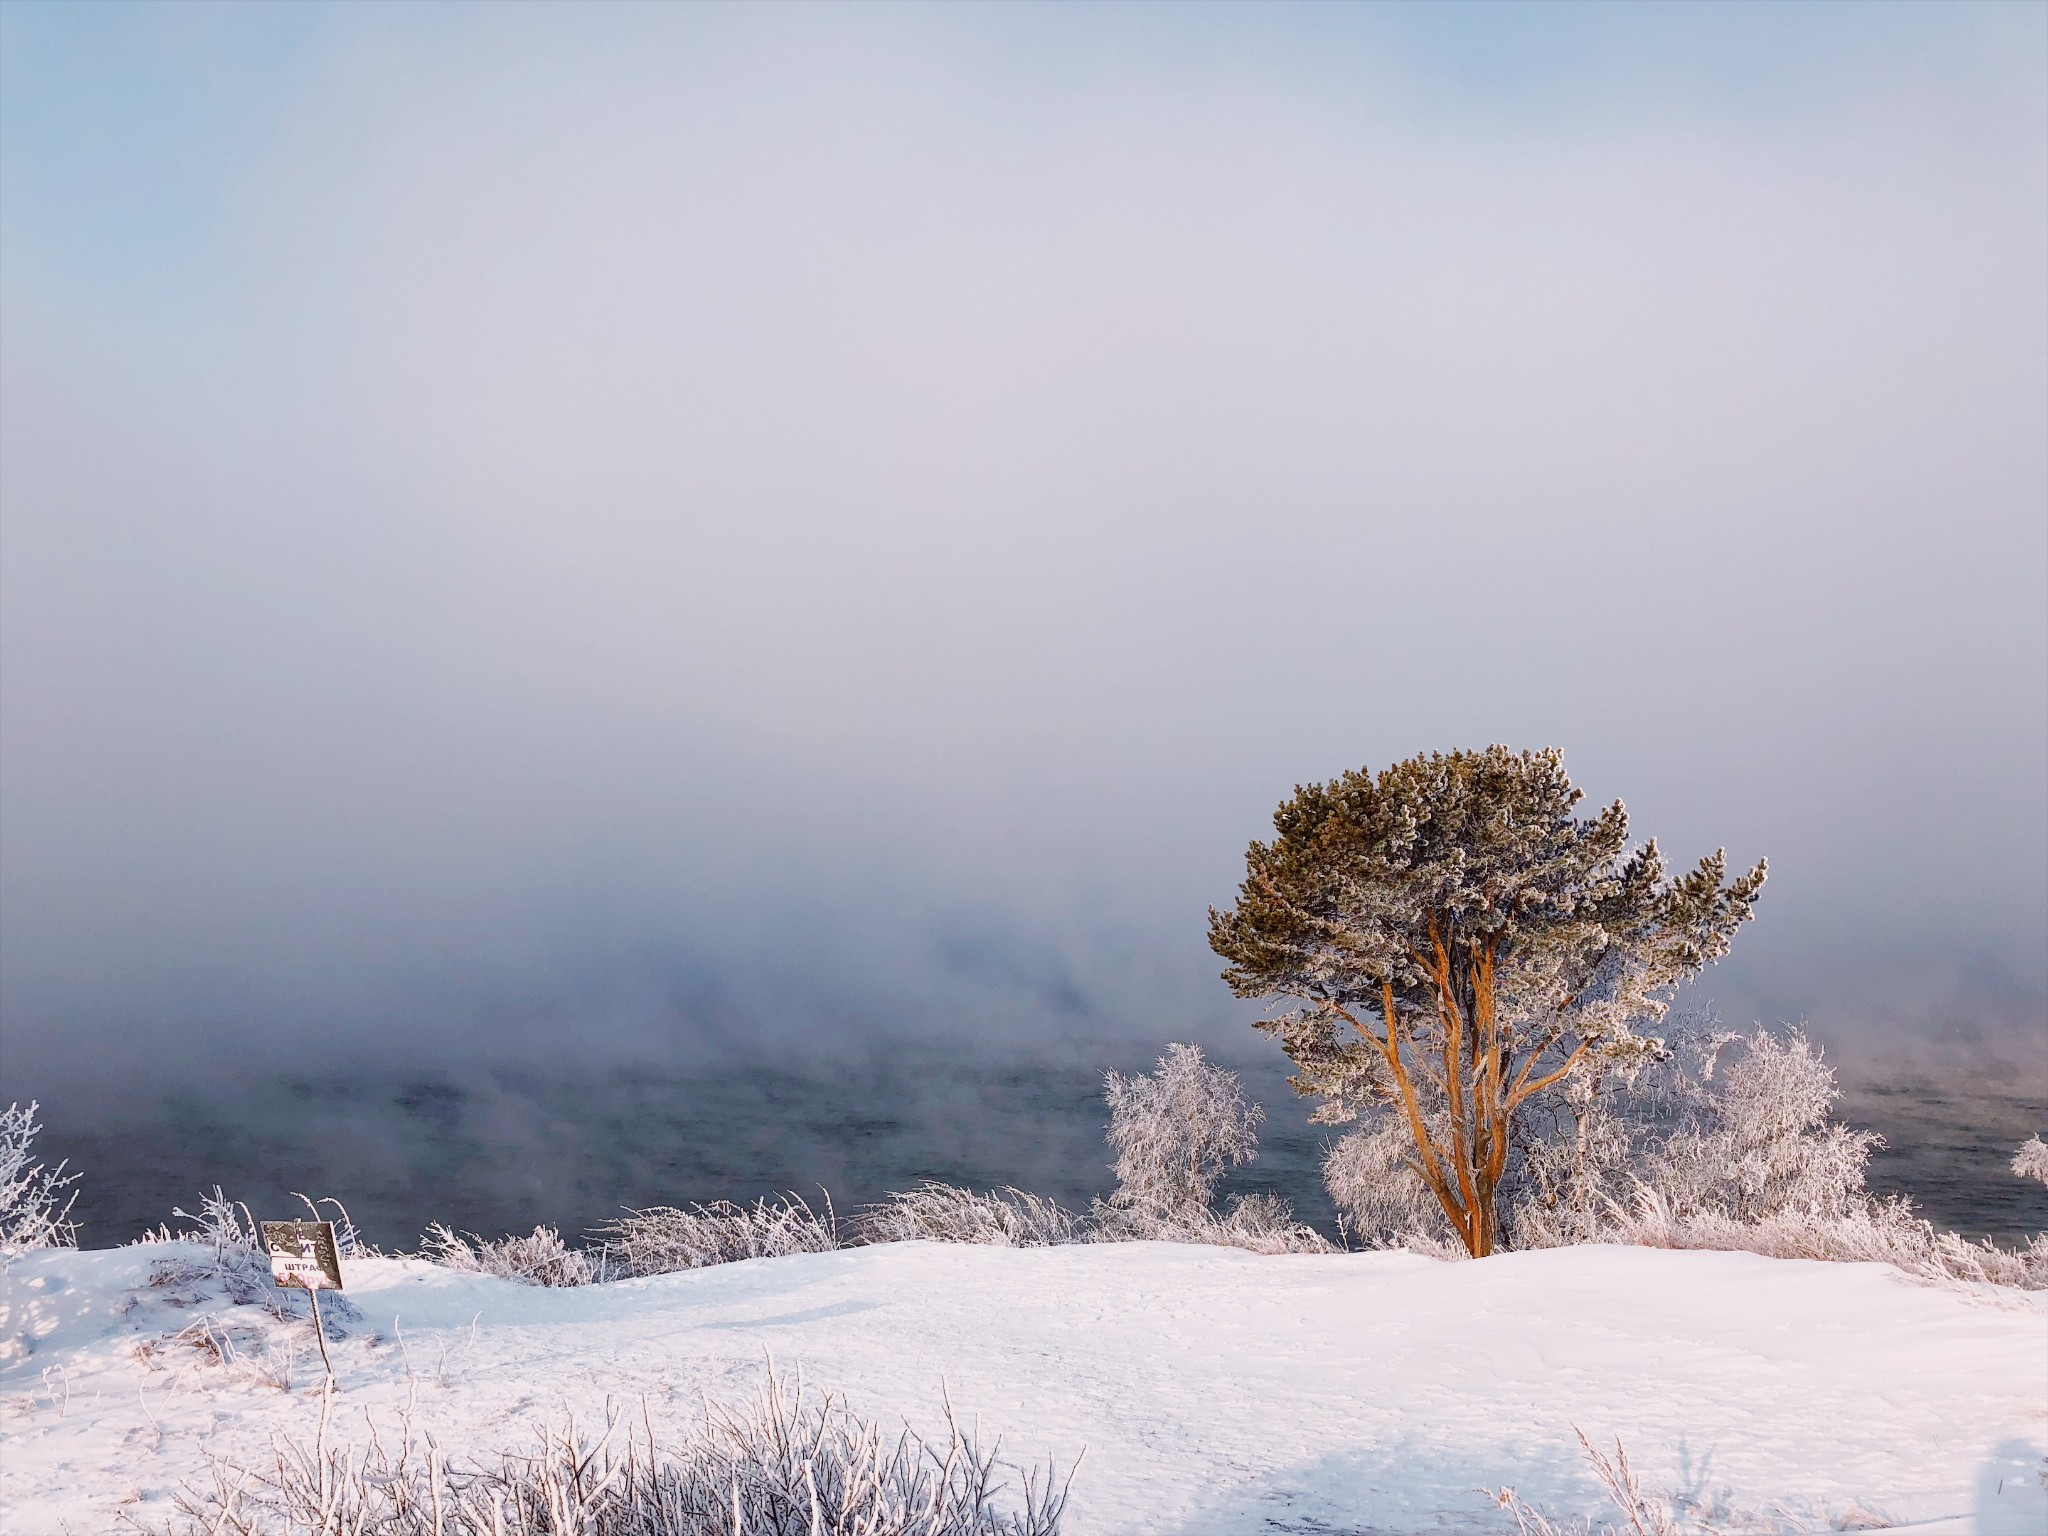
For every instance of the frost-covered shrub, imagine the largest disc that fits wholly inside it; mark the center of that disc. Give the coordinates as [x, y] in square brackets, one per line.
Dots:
[1871, 1232]
[540, 1259]
[1730, 1127]
[786, 1465]
[946, 1213]
[1384, 1204]
[1719, 1141]
[230, 1250]
[218, 1256]
[1727, 1143]
[1757, 1143]
[1259, 1223]
[664, 1238]
[1176, 1130]
[2031, 1160]
[35, 1201]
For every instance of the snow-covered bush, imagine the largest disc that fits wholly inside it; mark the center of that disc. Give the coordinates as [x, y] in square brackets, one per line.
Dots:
[1382, 1202]
[946, 1213]
[664, 1238]
[229, 1249]
[1726, 1142]
[1720, 1140]
[1874, 1231]
[2031, 1160]
[1757, 1143]
[786, 1465]
[1718, 1127]
[218, 1258]
[540, 1259]
[35, 1201]
[1176, 1130]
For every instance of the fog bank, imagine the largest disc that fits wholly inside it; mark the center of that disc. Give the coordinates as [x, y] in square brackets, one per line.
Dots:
[655, 532]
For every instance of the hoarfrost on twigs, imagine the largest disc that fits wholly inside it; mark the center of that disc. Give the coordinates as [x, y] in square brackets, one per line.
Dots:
[35, 1201]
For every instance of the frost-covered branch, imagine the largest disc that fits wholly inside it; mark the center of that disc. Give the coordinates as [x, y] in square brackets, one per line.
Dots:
[540, 1259]
[35, 1201]
[788, 1464]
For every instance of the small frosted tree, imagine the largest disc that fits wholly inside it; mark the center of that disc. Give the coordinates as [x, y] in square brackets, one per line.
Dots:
[2031, 1160]
[1461, 942]
[1176, 1130]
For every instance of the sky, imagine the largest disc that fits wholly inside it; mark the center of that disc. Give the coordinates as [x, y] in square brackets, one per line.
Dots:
[633, 531]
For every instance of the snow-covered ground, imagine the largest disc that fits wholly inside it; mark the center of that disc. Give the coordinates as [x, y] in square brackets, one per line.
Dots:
[1215, 1391]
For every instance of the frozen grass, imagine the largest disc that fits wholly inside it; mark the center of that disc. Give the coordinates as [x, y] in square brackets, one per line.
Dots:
[1874, 1231]
[238, 1262]
[1258, 1223]
[786, 1465]
[1645, 1514]
[540, 1259]
[35, 1201]
[1011, 1218]
[946, 1213]
[663, 1239]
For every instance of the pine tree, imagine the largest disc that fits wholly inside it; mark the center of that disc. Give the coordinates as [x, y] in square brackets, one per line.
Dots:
[1460, 942]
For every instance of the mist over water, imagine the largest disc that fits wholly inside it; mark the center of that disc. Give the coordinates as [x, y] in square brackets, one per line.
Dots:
[564, 568]
[498, 1150]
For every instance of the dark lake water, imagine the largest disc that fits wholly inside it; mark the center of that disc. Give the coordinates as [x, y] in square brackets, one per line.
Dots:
[495, 1150]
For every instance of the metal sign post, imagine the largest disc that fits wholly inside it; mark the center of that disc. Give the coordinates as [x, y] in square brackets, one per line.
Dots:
[304, 1256]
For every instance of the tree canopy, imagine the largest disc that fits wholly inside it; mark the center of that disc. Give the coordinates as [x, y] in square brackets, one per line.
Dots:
[1460, 941]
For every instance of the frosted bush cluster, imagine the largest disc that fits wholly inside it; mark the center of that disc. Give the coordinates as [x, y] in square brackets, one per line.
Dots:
[666, 1238]
[540, 1259]
[787, 1465]
[35, 1202]
[1373, 1184]
[946, 1213]
[222, 1243]
[1756, 1141]
[1175, 1132]
[1723, 1141]
[2031, 1161]
[1258, 1223]
[1721, 1126]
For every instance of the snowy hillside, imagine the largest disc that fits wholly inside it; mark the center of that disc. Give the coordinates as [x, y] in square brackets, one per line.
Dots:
[1214, 1391]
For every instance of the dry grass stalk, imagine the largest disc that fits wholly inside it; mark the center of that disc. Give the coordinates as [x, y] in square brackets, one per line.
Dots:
[663, 1239]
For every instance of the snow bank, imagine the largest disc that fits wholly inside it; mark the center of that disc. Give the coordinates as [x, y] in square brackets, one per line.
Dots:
[1215, 1391]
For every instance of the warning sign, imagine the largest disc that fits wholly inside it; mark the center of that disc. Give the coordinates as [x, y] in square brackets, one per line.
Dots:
[303, 1255]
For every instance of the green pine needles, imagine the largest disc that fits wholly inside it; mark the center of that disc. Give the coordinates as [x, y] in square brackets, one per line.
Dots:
[1460, 942]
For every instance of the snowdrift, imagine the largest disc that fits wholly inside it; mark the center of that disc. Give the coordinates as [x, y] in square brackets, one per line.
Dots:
[1214, 1391]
